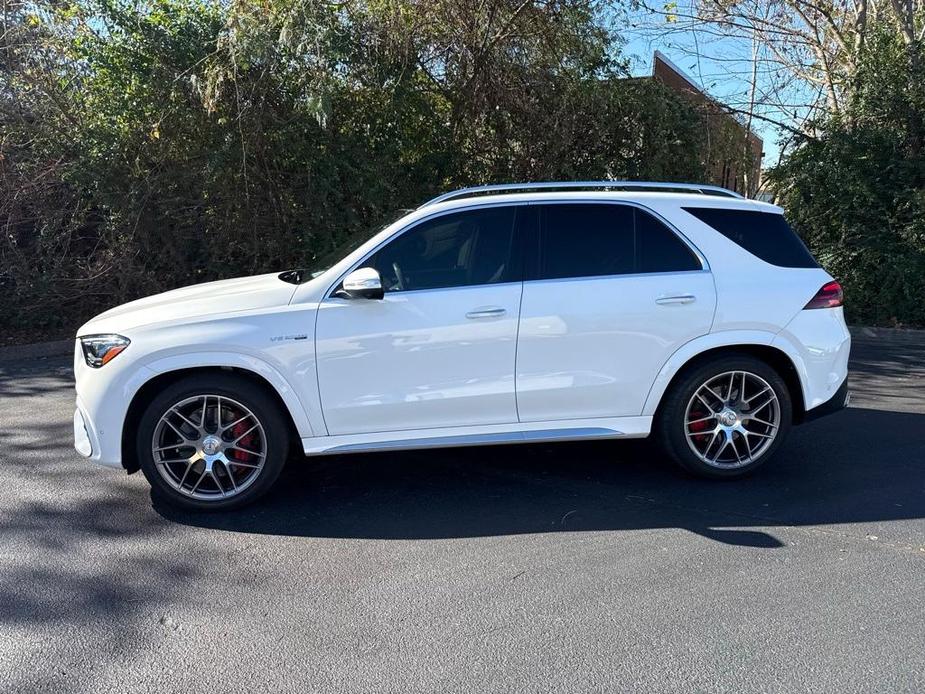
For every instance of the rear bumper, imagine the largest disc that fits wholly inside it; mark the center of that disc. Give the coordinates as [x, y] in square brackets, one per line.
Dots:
[819, 344]
[837, 402]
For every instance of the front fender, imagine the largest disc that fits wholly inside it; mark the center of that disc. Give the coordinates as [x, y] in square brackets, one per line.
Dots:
[726, 338]
[246, 362]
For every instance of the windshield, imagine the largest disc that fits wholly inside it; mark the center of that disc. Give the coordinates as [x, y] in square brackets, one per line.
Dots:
[323, 260]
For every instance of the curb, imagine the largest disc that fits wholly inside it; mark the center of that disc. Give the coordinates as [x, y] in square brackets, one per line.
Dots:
[887, 334]
[37, 350]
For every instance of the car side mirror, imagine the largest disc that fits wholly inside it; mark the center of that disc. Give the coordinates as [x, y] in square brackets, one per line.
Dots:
[363, 283]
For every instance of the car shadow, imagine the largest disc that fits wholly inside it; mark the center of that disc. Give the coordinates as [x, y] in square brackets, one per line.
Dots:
[858, 465]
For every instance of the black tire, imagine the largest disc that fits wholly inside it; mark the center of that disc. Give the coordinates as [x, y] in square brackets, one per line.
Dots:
[275, 436]
[670, 427]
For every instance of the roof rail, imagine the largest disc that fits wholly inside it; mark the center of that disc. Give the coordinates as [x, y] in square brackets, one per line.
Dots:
[700, 188]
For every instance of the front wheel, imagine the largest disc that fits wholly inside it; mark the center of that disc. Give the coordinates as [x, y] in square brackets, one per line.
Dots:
[725, 417]
[212, 442]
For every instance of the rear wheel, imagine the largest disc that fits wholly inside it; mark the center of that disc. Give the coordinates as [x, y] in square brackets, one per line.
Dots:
[725, 417]
[212, 442]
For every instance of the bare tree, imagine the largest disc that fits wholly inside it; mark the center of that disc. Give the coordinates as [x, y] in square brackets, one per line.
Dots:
[804, 53]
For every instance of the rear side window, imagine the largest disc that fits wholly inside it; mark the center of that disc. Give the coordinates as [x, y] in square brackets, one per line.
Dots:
[658, 248]
[763, 234]
[593, 240]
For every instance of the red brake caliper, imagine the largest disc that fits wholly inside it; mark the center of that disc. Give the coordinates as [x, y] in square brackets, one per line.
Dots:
[699, 426]
[246, 442]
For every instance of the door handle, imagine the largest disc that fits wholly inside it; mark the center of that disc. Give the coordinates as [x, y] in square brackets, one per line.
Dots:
[676, 299]
[488, 312]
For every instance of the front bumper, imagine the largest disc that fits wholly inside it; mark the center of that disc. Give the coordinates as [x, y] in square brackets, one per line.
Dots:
[82, 442]
[90, 442]
[103, 396]
[837, 402]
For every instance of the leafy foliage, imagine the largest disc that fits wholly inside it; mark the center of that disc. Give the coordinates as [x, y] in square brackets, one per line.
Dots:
[148, 144]
[857, 193]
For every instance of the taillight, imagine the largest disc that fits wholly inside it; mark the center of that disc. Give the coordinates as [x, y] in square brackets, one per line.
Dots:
[829, 296]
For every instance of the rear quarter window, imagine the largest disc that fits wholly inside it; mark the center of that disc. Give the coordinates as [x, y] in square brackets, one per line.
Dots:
[765, 235]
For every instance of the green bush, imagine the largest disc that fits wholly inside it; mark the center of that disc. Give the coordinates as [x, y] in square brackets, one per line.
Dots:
[857, 193]
[148, 145]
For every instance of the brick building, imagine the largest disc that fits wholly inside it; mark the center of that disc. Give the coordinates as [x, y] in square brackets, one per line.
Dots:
[733, 151]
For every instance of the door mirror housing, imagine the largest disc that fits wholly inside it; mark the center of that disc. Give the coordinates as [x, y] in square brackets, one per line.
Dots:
[363, 283]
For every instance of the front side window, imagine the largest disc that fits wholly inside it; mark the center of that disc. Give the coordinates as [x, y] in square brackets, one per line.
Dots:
[594, 240]
[454, 250]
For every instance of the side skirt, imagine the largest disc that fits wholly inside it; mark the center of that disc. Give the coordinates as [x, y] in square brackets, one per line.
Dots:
[486, 435]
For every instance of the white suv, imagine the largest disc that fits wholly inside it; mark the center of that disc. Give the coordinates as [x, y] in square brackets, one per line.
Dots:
[499, 314]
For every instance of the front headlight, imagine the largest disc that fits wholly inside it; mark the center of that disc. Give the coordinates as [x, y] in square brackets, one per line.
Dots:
[101, 349]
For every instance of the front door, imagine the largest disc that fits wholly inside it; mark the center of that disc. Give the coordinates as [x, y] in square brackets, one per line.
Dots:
[438, 349]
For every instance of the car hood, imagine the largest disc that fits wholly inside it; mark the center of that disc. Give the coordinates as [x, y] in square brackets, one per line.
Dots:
[210, 298]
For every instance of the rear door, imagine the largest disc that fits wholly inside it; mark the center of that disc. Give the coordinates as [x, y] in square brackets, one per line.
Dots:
[610, 293]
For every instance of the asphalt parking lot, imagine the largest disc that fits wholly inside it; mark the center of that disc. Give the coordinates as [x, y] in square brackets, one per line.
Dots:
[567, 567]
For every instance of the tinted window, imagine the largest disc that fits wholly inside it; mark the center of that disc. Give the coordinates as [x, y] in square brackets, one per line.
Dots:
[763, 234]
[658, 248]
[588, 240]
[454, 250]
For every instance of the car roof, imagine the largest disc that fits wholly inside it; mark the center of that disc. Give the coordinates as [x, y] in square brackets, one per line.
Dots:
[646, 198]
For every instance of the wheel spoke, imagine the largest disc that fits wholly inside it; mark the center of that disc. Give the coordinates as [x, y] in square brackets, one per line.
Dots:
[201, 478]
[761, 421]
[721, 449]
[730, 435]
[748, 446]
[230, 474]
[735, 449]
[246, 450]
[236, 422]
[234, 443]
[184, 418]
[714, 393]
[238, 463]
[702, 419]
[177, 431]
[185, 473]
[703, 400]
[174, 461]
[732, 378]
[764, 403]
[161, 449]
[760, 392]
[218, 484]
[711, 441]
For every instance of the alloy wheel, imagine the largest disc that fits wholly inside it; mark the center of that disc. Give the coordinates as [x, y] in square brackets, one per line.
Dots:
[209, 447]
[732, 419]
